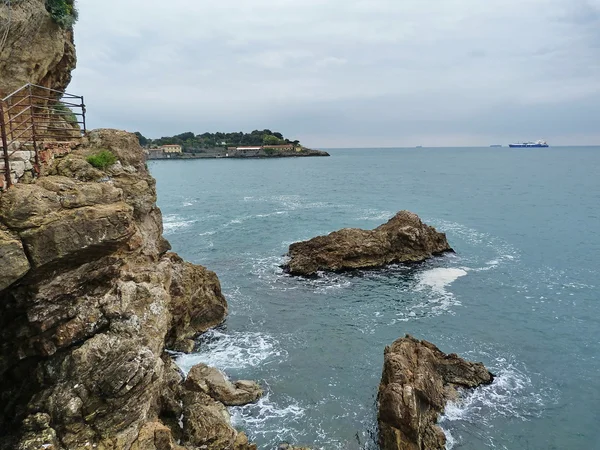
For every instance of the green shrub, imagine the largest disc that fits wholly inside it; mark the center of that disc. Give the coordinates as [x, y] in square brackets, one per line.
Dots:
[63, 12]
[62, 110]
[102, 160]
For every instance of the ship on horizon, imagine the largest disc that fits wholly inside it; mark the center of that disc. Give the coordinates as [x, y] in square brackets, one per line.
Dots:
[536, 144]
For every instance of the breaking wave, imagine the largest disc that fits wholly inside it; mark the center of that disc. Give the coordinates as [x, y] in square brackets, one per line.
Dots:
[233, 350]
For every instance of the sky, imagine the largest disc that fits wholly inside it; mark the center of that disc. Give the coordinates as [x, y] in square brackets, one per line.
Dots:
[345, 73]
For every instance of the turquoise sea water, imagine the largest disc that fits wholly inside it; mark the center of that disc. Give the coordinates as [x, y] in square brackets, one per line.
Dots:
[522, 293]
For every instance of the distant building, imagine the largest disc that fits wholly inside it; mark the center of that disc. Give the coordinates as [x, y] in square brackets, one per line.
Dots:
[281, 147]
[248, 150]
[171, 148]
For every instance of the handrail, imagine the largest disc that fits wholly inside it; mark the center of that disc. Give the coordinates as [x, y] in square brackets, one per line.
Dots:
[28, 85]
[32, 114]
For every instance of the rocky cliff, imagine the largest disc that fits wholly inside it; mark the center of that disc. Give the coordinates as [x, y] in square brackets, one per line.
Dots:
[418, 380]
[404, 238]
[33, 47]
[89, 297]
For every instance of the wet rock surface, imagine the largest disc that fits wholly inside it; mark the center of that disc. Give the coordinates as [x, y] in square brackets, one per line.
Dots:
[404, 238]
[214, 383]
[418, 380]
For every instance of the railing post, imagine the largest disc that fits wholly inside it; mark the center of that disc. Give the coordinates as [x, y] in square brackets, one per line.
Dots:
[83, 114]
[5, 147]
[33, 133]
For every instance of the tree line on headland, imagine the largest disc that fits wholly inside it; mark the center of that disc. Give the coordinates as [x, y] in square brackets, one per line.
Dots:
[192, 143]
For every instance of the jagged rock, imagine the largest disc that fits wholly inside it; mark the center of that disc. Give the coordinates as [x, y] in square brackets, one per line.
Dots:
[196, 302]
[155, 436]
[83, 331]
[212, 382]
[417, 381]
[404, 238]
[88, 293]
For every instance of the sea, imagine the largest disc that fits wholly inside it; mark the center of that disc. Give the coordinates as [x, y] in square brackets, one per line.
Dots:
[521, 294]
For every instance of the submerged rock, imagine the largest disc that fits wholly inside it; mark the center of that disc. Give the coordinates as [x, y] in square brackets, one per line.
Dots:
[418, 380]
[288, 446]
[404, 238]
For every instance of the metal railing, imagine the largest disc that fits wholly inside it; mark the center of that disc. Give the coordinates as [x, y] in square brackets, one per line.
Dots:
[34, 115]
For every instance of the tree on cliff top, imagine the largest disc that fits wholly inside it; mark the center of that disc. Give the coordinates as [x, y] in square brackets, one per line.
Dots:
[143, 139]
[63, 12]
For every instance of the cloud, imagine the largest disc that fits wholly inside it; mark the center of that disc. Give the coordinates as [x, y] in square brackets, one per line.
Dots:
[334, 73]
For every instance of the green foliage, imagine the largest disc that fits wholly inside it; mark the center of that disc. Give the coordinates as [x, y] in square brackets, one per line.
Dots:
[270, 151]
[102, 159]
[63, 12]
[62, 110]
[143, 140]
[271, 140]
[195, 143]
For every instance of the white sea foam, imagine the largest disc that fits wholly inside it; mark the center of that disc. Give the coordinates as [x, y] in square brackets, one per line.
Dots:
[174, 222]
[266, 417]
[236, 350]
[439, 278]
[433, 283]
[450, 441]
[510, 395]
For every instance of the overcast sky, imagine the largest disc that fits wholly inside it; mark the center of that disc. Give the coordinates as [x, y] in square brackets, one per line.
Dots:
[339, 73]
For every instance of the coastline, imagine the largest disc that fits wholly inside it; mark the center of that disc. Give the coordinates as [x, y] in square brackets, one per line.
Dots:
[161, 156]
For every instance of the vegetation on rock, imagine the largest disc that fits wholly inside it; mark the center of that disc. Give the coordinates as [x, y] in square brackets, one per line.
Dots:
[63, 12]
[102, 159]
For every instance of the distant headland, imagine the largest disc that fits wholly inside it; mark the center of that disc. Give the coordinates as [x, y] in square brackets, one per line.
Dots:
[257, 144]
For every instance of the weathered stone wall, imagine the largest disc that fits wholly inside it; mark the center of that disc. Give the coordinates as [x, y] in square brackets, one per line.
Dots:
[22, 161]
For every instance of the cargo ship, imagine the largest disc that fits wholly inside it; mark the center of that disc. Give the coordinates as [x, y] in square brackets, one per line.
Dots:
[536, 144]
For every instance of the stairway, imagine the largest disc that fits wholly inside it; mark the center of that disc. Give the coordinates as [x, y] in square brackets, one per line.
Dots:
[31, 119]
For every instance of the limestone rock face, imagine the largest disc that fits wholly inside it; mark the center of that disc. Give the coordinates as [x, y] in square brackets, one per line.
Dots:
[418, 379]
[212, 382]
[196, 303]
[89, 299]
[13, 261]
[404, 238]
[33, 48]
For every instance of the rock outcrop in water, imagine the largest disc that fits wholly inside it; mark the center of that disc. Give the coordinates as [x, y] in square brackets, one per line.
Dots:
[212, 382]
[418, 380]
[89, 298]
[404, 238]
